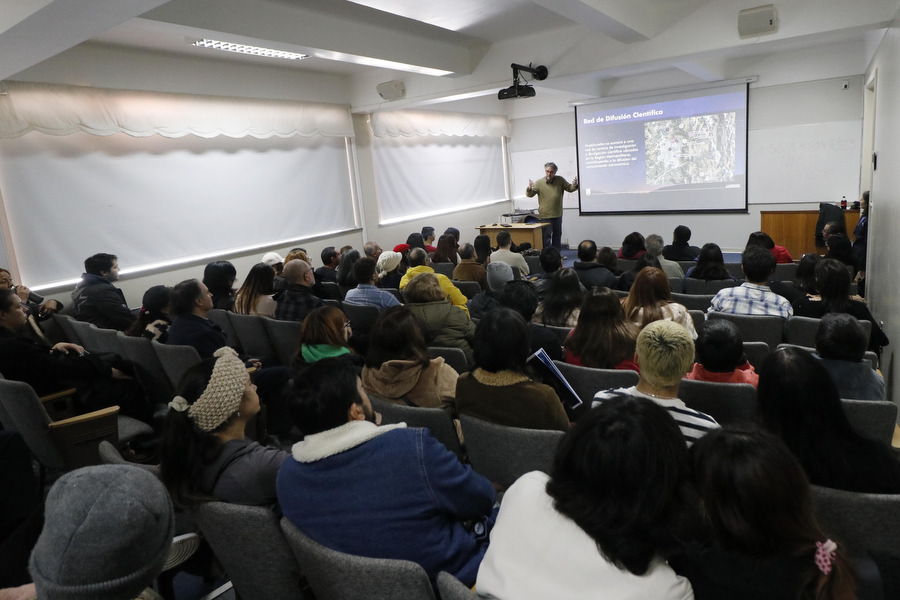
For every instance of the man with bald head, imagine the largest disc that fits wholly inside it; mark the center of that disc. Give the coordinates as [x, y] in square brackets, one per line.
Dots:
[297, 299]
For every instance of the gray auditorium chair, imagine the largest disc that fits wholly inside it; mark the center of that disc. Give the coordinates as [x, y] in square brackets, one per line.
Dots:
[444, 268]
[698, 317]
[249, 543]
[587, 381]
[64, 322]
[438, 420]
[801, 331]
[785, 272]
[362, 317]
[727, 403]
[503, 454]
[451, 588]
[454, 357]
[285, 338]
[252, 335]
[872, 418]
[175, 360]
[534, 265]
[148, 370]
[755, 328]
[220, 318]
[334, 575]
[756, 353]
[862, 522]
[706, 287]
[693, 301]
[469, 289]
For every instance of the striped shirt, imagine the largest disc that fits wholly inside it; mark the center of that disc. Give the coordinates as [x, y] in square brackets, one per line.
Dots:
[693, 424]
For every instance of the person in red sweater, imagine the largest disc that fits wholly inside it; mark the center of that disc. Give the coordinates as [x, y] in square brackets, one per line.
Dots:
[720, 355]
[763, 240]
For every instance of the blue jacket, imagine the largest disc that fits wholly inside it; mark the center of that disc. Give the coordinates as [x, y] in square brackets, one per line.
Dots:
[388, 492]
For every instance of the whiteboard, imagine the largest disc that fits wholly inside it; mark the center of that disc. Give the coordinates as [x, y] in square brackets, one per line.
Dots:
[530, 165]
[805, 163]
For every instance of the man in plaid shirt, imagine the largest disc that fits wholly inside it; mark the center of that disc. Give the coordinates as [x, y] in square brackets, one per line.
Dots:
[297, 299]
[753, 297]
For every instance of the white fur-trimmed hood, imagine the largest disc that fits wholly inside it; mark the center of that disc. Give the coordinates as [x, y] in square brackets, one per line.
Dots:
[340, 439]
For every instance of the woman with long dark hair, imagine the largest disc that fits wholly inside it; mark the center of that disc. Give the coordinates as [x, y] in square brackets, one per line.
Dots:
[254, 297]
[445, 251]
[218, 277]
[482, 245]
[710, 265]
[562, 300]
[626, 280]
[345, 276]
[204, 454]
[800, 403]
[600, 524]
[833, 285]
[398, 367]
[650, 299]
[767, 543]
[603, 338]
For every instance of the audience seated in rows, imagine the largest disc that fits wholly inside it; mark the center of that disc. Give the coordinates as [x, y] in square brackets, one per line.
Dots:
[650, 299]
[841, 344]
[800, 403]
[219, 277]
[397, 365]
[562, 300]
[632, 246]
[601, 523]
[498, 275]
[654, 245]
[205, 454]
[753, 297]
[95, 298]
[154, 318]
[297, 299]
[384, 492]
[664, 353]
[720, 355]
[498, 389]
[603, 337]
[521, 297]
[833, 285]
[626, 279]
[764, 240]
[680, 249]
[254, 297]
[710, 265]
[766, 542]
[469, 269]
[589, 270]
[419, 263]
[441, 322]
[505, 254]
[365, 292]
[101, 380]
[389, 269]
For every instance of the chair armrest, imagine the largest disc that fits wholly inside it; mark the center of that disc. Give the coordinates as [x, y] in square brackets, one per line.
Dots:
[78, 438]
[59, 405]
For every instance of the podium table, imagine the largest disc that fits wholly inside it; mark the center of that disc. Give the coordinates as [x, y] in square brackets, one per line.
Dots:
[796, 229]
[519, 232]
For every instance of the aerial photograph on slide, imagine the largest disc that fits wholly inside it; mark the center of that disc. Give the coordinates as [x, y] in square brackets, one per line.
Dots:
[690, 150]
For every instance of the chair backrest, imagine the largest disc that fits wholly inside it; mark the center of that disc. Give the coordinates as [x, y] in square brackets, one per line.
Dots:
[334, 575]
[735, 269]
[21, 411]
[785, 272]
[333, 301]
[64, 322]
[98, 340]
[869, 356]
[110, 455]
[561, 333]
[175, 360]
[727, 403]
[706, 287]
[148, 369]
[587, 381]
[451, 588]
[395, 292]
[756, 353]
[534, 265]
[454, 357]
[801, 331]
[438, 421]
[503, 454]
[444, 268]
[251, 334]
[626, 264]
[469, 289]
[362, 318]
[82, 332]
[329, 290]
[686, 264]
[248, 542]
[698, 317]
[219, 316]
[873, 419]
[756, 328]
[862, 522]
[285, 338]
[693, 301]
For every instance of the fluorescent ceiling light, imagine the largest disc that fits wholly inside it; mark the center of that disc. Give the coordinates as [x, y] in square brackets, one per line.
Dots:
[252, 50]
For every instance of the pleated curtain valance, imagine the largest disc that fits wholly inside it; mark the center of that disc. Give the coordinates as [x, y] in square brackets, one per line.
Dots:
[412, 123]
[62, 109]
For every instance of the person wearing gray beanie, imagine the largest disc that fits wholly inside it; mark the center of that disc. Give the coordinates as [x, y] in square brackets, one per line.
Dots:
[107, 533]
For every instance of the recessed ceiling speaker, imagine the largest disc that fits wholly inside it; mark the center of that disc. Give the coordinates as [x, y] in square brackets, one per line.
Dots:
[391, 90]
[754, 22]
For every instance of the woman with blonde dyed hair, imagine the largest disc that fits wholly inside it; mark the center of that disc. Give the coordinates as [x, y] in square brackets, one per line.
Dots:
[650, 299]
[442, 323]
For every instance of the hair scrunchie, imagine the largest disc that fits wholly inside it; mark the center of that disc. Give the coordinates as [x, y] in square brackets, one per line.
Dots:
[825, 552]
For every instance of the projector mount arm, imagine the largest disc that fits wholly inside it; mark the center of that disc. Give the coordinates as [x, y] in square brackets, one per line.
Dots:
[540, 72]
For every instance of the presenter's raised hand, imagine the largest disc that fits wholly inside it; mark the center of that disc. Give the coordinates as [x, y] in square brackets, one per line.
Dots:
[530, 184]
[575, 180]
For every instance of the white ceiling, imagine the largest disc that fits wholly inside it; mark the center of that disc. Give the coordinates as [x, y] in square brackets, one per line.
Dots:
[587, 44]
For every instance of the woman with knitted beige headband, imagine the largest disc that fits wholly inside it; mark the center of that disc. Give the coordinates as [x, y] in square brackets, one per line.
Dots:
[205, 453]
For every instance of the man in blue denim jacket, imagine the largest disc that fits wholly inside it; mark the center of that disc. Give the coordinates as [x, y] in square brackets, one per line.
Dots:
[382, 492]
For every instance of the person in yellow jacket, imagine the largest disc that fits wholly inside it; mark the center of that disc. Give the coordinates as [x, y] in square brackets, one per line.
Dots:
[418, 264]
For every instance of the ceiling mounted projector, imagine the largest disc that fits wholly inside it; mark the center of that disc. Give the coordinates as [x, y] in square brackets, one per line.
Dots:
[522, 90]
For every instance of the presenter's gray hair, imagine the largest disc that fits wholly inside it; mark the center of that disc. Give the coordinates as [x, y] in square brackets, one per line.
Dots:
[551, 165]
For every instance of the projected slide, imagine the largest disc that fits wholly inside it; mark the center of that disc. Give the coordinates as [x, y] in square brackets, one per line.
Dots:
[678, 153]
